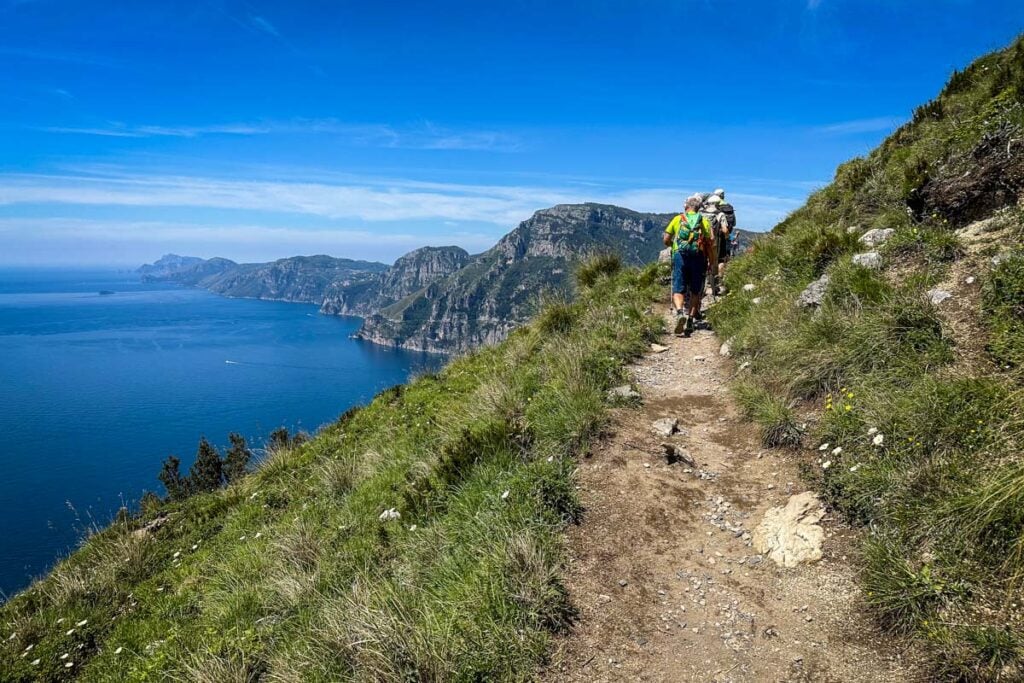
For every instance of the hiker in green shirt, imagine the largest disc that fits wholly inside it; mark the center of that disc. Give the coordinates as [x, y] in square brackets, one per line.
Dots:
[693, 243]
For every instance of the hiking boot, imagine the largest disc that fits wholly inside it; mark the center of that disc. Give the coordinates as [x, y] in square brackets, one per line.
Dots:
[680, 323]
[688, 327]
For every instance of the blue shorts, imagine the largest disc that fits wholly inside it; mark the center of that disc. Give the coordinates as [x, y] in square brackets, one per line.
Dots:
[688, 271]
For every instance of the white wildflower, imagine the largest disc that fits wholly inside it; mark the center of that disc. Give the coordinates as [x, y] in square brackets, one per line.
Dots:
[879, 438]
[69, 665]
[29, 648]
[551, 458]
[195, 546]
[824, 446]
[177, 555]
[35, 662]
[258, 534]
[825, 465]
[118, 650]
[241, 538]
[837, 450]
[65, 655]
[872, 431]
[82, 623]
[412, 528]
[504, 496]
[749, 287]
[855, 467]
[70, 631]
[160, 589]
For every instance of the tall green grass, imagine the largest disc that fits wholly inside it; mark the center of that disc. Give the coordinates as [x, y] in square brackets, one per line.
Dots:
[291, 574]
[928, 441]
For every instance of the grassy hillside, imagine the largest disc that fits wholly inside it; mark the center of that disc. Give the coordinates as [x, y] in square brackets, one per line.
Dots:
[293, 574]
[939, 486]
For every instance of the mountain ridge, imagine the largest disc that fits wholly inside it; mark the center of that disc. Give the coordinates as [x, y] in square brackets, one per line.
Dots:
[441, 299]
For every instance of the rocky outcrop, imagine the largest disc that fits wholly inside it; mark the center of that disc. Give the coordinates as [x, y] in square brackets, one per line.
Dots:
[408, 275]
[498, 290]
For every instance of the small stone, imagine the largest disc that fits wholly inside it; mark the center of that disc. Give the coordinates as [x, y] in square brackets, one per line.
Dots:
[623, 393]
[35, 662]
[666, 426]
[970, 280]
[937, 296]
[871, 259]
[725, 350]
[623, 583]
[824, 446]
[825, 465]
[814, 293]
[837, 450]
[876, 237]
[604, 599]
[658, 348]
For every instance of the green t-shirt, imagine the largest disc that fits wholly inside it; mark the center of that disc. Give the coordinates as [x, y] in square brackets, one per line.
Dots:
[676, 223]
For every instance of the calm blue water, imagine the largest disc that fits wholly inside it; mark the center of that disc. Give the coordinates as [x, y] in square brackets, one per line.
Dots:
[95, 391]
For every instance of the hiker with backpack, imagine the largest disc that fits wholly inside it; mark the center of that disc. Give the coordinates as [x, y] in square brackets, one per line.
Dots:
[691, 238]
[725, 228]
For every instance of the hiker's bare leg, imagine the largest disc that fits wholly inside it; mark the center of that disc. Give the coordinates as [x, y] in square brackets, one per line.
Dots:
[677, 300]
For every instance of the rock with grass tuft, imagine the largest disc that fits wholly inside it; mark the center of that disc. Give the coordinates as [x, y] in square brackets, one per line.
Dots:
[877, 237]
[623, 393]
[870, 259]
[814, 294]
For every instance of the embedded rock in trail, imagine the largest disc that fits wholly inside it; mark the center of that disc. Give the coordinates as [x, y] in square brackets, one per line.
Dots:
[666, 426]
[725, 350]
[815, 292]
[937, 296]
[877, 237]
[871, 259]
[791, 535]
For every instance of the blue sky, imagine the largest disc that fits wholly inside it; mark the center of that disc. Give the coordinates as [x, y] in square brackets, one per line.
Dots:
[255, 130]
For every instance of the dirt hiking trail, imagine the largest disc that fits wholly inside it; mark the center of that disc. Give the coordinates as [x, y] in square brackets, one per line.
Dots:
[663, 571]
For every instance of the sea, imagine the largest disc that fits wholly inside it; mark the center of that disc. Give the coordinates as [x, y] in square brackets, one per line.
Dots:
[97, 389]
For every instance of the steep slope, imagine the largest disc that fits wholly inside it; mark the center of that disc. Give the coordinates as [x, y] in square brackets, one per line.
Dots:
[408, 275]
[418, 538]
[499, 289]
[881, 329]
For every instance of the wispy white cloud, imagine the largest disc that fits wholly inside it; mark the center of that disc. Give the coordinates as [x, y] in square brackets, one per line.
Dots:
[370, 200]
[876, 124]
[262, 24]
[425, 136]
[301, 240]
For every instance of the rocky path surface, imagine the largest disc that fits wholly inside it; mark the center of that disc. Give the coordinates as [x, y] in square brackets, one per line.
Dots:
[664, 568]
